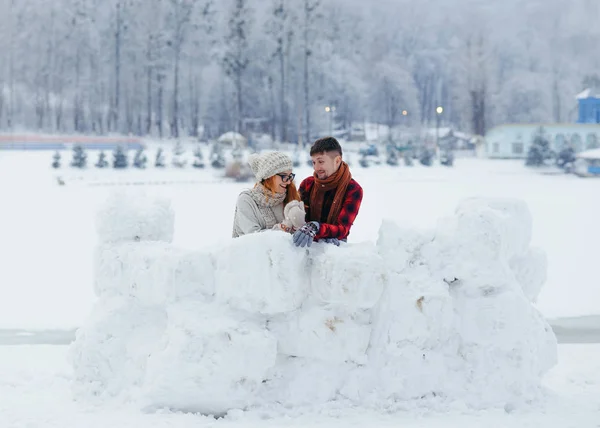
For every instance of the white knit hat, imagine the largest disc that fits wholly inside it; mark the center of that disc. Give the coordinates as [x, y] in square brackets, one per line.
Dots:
[268, 164]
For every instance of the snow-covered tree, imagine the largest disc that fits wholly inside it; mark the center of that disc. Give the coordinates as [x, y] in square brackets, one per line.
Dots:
[79, 157]
[178, 159]
[120, 160]
[198, 158]
[56, 160]
[140, 159]
[236, 58]
[159, 160]
[102, 162]
[174, 67]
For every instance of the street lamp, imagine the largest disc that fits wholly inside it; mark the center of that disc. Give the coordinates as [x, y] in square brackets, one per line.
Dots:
[404, 113]
[439, 110]
[330, 110]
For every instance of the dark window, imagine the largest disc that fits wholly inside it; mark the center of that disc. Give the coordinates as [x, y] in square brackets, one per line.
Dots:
[517, 148]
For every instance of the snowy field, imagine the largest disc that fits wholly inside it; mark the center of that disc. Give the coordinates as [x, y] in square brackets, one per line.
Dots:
[35, 393]
[47, 238]
[47, 231]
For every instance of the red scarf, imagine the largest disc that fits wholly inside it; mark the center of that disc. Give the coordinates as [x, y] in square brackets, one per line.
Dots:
[338, 181]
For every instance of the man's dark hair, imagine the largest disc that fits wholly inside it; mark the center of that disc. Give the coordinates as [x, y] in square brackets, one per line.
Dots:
[326, 145]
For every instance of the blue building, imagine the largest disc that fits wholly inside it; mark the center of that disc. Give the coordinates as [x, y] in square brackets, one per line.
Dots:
[589, 106]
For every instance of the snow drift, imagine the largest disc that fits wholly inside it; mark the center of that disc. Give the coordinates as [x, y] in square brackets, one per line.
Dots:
[444, 315]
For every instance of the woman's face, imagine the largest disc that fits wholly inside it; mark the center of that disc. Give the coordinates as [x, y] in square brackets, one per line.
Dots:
[282, 180]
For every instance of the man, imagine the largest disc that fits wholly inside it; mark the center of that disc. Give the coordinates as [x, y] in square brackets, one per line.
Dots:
[331, 196]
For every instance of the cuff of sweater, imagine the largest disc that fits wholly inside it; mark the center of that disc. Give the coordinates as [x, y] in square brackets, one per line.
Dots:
[321, 232]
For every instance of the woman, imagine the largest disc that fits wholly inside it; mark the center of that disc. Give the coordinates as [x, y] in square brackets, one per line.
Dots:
[274, 202]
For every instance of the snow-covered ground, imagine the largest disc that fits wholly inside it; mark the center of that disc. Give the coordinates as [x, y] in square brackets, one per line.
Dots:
[47, 231]
[47, 238]
[35, 393]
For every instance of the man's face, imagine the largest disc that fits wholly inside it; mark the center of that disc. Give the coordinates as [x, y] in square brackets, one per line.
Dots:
[326, 164]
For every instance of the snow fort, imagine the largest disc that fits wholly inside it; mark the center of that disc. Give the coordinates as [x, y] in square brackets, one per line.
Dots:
[441, 316]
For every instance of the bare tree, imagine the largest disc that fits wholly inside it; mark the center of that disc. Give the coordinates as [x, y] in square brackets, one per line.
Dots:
[235, 60]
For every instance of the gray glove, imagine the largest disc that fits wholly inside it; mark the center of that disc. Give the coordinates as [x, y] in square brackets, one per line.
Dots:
[333, 241]
[305, 235]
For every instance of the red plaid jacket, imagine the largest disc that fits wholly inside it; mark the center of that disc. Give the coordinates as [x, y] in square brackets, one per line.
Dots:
[341, 228]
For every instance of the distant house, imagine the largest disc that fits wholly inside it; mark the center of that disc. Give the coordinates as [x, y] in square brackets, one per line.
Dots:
[589, 106]
[513, 141]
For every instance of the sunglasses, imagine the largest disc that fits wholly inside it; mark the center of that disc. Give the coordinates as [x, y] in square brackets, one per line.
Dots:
[285, 177]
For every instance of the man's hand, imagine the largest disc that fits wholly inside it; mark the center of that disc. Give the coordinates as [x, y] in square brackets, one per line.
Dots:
[333, 241]
[305, 235]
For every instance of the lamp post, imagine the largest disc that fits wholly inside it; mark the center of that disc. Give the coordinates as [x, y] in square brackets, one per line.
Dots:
[330, 110]
[439, 110]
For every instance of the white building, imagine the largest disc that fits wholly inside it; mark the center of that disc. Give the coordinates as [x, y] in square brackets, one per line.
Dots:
[513, 141]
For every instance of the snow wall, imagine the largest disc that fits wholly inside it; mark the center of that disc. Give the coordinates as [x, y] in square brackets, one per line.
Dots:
[440, 316]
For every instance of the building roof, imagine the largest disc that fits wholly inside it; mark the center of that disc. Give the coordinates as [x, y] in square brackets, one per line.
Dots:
[588, 93]
[589, 154]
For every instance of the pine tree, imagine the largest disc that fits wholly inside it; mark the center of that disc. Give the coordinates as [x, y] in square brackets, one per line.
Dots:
[159, 161]
[364, 160]
[539, 151]
[566, 158]
[102, 162]
[217, 159]
[237, 54]
[296, 158]
[140, 159]
[178, 160]
[120, 158]
[392, 155]
[79, 157]
[56, 162]
[447, 157]
[426, 157]
[198, 158]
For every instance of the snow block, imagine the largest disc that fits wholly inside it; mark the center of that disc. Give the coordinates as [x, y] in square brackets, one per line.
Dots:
[210, 361]
[349, 275]
[129, 216]
[109, 353]
[262, 273]
[153, 272]
[438, 316]
[324, 333]
[297, 381]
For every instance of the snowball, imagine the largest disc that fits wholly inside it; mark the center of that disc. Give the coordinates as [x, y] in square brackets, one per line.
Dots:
[262, 273]
[324, 333]
[129, 216]
[211, 362]
[152, 271]
[350, 275]
[530, 271]
[109, 353]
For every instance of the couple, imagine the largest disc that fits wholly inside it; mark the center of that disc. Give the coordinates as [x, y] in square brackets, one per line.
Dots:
[324, 207]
